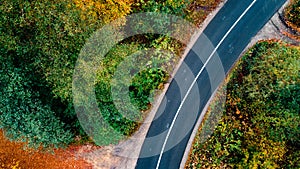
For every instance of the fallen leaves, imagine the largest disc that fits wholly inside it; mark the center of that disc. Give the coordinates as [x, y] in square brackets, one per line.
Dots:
[13, 155]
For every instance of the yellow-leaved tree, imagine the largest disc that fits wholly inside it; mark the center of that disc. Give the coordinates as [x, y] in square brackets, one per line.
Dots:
[106, 11]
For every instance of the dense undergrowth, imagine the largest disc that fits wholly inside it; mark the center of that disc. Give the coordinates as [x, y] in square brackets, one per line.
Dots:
[260, 127]
[39, 45]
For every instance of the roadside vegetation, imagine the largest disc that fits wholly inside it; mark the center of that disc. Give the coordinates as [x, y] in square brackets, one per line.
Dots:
[39, 45]
[260, 126]
[292, 13]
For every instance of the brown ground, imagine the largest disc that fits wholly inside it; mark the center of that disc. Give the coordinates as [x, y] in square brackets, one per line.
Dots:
[13, 156]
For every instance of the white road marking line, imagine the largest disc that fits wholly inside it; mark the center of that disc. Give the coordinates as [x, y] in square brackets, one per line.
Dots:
[190, 88]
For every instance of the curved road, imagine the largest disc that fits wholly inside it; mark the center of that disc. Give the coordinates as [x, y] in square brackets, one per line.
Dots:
[226, 36]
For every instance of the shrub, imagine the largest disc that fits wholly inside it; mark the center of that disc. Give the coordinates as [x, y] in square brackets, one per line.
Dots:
[292, 12]
[143, 84]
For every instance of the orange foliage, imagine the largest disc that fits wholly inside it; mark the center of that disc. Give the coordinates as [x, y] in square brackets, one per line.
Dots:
[12, 156]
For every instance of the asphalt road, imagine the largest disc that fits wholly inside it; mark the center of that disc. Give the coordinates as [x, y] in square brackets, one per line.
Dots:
[203, 69]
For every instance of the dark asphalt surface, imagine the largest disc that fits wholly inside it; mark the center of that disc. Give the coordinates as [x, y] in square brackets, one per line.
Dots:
[228, 51]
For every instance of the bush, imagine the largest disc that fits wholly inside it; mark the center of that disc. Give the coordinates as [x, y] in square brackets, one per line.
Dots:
[140, 89]
[144, 84]
[175, 7]
[292, 12]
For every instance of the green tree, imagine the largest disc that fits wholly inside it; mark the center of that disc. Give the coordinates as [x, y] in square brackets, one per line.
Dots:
[23, 116]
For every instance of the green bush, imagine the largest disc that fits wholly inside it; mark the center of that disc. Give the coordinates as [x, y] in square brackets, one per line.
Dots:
[140, 89]
[143, 84]
[103, 88]
[168, 6]
[161, 25]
